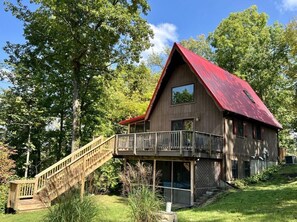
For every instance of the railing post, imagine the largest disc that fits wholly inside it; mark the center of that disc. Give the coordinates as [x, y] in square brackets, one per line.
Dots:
[83, 173]
[35, 186]
[116, 144]
[17, 195]
[134, 144]
[210, 138]
[193, 143]
[180, 142]
[156, 142]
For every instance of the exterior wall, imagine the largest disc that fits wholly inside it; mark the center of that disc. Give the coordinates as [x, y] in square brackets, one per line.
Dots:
[246, 148]
[207, 117]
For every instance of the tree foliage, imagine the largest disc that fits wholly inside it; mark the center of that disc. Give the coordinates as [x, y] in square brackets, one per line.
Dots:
[200, 46]
[79, 41]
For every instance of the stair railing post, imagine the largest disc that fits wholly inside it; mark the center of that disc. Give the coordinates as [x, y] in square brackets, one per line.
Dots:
[82, 186]
[17, 195]
[35, 186]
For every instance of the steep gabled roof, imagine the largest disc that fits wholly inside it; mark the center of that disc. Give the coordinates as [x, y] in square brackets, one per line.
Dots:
[229, 92]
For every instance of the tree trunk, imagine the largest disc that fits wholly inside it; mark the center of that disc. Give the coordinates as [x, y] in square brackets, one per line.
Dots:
[76, 107]
[61, 136]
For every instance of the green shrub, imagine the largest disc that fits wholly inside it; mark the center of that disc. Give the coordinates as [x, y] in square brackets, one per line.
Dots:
[263, 176]
[70, 208]
[3, 197]
[144, 203]
[106, 178]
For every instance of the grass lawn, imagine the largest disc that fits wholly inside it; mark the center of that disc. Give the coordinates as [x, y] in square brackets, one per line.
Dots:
[110, 209]
[275, 200]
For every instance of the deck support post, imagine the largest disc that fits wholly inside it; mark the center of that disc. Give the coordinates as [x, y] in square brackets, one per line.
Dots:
[154, 175]
[192, 168]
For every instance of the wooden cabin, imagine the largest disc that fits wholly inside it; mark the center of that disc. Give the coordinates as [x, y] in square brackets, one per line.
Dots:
[203, 126]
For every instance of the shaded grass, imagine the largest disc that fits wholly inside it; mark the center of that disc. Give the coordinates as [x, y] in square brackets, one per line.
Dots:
[274, 200]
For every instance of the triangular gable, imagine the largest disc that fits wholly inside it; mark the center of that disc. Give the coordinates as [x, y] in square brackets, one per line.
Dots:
[227, 90]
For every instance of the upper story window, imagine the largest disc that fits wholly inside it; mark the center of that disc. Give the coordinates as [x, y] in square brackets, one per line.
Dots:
[257, 132]
[239, 128]
[182, 94]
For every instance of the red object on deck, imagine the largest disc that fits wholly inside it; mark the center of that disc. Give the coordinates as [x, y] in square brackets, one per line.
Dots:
[228, 91]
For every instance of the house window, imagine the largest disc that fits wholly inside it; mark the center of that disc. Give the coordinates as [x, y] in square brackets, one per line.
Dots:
[239, 128]
[184, 124]
[247, 168]
[257, 132]
[234, 169]
[182, 94]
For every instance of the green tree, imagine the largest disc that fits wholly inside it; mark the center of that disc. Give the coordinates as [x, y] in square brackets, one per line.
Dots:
[130, 93]
[201, 46]
[81, 40]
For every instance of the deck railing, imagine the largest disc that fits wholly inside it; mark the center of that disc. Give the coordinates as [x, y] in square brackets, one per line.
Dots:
[179, 141]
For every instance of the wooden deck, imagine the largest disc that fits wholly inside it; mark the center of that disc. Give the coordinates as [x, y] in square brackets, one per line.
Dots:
[170, 144]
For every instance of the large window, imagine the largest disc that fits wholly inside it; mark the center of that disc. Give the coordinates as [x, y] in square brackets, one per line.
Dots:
[182, 94]
[184, 124]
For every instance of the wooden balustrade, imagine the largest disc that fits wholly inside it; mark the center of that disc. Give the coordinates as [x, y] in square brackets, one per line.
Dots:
[175, 141]
[56, 179]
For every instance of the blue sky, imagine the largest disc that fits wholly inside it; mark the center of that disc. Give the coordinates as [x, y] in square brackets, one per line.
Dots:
[175, 20]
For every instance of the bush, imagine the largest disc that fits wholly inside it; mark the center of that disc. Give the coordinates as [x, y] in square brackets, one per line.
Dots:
[70, 208]
[106, 178]
[143, 201]
[263, 176]
[6, 173]
[3, 197]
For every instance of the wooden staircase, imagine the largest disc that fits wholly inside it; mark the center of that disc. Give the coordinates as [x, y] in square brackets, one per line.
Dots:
[38, 192]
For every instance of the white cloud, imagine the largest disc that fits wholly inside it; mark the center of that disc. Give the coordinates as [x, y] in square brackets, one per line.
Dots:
[164, 35]
[289, 5]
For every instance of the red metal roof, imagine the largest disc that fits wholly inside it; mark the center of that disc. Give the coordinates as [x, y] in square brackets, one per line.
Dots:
[228, 91]
[132, 120]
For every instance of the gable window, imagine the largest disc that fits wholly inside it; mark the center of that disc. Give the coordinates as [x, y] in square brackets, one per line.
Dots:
[257, 132]
[182, 94]
[239, 128]
[235, 169]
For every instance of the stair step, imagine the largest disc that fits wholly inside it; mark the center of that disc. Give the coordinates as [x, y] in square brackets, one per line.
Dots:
[31, 204]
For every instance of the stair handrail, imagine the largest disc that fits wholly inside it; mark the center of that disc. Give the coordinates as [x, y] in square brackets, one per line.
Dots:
[83, 148]
[81, 157]
[37, 188]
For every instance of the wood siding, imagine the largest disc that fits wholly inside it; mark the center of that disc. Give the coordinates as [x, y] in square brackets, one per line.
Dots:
[245, 148]
[207, 117]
